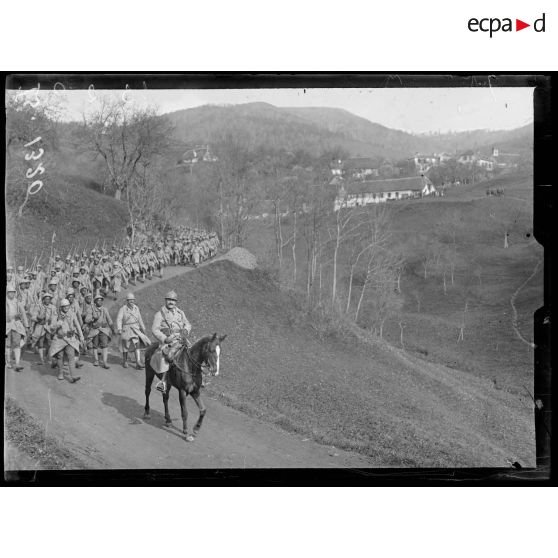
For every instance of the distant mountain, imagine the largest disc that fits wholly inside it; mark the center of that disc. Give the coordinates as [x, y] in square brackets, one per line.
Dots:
[316, 129]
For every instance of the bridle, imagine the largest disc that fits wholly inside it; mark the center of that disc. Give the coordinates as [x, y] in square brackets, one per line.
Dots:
[202, 365]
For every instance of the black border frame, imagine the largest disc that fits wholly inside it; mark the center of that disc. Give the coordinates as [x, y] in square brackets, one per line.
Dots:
[542, 474]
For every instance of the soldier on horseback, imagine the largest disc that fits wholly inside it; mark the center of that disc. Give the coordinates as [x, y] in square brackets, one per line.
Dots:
[168, 324]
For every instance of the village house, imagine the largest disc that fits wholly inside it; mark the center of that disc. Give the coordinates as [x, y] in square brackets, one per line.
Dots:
[486, 164]
[424, 162]
[355, 194]
[467, 158]
[504, 160]
[360, 168]
[197, 155]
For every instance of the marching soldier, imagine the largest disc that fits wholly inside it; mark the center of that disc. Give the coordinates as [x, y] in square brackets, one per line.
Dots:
[100, 329]
[43, 319]
[168, 324]
[66, 340]
[84, 276]
[118, 277]
[129, 324]
[17, 327]
[76, 310]
[41, 278]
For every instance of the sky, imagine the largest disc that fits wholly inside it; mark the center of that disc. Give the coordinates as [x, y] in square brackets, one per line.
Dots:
[413, 110]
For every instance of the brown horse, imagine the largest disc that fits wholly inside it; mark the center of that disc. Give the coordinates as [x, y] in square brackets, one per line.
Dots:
[185, 375]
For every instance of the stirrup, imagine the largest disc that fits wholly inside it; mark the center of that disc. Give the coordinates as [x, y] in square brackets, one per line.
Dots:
[161, 386]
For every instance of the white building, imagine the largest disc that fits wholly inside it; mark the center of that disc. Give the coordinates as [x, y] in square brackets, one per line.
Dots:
[356, 194]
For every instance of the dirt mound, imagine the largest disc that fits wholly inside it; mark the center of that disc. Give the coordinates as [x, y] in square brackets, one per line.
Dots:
[242, 258]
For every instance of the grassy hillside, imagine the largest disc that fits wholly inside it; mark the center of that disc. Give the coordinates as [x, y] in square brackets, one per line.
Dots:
[69, 206]
[351, 393]
[486, 276]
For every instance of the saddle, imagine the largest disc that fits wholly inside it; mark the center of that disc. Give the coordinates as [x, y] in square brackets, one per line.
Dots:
[161, 359]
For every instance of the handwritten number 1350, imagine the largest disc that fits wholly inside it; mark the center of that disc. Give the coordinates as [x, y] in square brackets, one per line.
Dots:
[37, 184]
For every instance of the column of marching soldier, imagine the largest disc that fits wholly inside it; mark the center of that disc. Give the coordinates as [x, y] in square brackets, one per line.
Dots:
[57, 309]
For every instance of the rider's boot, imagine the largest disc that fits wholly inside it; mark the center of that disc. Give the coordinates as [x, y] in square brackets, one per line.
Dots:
[125, 359]
[162, 384]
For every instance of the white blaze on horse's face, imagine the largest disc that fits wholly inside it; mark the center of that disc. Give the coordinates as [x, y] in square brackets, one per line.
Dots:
[217, 350]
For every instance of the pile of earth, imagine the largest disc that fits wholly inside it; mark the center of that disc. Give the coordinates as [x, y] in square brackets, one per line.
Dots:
[242, 258]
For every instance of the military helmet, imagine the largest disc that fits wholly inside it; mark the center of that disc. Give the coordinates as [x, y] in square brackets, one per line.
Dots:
[98, 296]
[46, 294]
[57, 266]
[20, 268]
[10, 267]
[57, 257]
[54, 281]
[10, 288]
[130, 296]
[39, 266]
[171, 295]
[64, 302]
[70, 291]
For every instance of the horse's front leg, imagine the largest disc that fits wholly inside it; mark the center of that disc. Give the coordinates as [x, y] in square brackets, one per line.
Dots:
[149, 374]
[168, 421]
[197, 398]
[182, 397]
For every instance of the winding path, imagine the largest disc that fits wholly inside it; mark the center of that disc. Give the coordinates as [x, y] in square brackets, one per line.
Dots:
[514, 309]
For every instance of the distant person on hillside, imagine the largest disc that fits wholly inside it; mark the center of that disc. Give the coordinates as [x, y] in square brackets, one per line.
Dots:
[130, 327]
[168, 324]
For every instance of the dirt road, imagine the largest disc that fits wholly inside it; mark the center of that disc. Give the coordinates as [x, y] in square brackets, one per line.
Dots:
[100, 420]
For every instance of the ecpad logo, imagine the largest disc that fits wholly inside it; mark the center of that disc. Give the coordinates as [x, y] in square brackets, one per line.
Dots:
[493, 25]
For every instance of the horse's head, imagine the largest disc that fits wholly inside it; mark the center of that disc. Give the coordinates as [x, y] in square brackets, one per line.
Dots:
[212, 351]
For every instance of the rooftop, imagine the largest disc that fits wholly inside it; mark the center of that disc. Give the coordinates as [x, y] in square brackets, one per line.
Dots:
[385, 185]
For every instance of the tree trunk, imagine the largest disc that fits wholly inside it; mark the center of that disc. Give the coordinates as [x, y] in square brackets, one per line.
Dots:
[294, 249]
[118, 194]
[350, 289]
[401, 327]
[334, 281]
[445, 286]
[360, 299]
[221, 224]
[382, 328]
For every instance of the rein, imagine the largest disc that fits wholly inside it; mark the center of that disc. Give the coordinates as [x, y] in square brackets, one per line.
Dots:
[201, 365]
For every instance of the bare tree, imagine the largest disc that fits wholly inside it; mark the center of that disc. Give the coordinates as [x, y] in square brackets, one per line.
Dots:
[347, 222]
[125, 136]
[462, 324]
